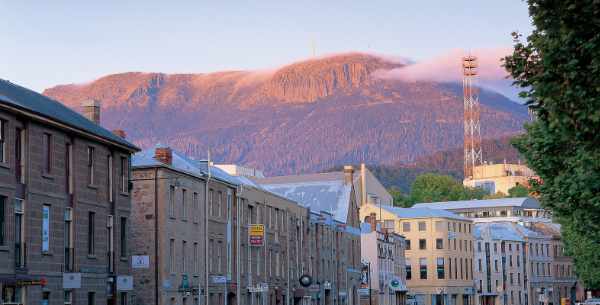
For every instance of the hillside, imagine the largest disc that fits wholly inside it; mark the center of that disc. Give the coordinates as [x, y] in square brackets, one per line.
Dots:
[303, 117]
[448, 162]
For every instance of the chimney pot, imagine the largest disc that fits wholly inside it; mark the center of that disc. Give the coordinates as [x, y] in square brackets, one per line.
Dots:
[120, 132]
[348, 174]
[91, 110]
[164, 155]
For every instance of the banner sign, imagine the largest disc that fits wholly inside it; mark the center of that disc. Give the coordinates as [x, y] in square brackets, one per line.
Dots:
[256, 235]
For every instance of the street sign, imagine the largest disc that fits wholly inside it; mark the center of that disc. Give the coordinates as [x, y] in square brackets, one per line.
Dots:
[124, 282]
[219, 279]
[140, 262]
[71, 280]
[256, 235]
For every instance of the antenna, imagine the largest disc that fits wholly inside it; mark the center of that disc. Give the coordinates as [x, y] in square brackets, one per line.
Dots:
[472, 126]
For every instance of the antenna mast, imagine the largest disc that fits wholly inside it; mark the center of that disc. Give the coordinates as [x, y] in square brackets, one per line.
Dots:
[472, 126]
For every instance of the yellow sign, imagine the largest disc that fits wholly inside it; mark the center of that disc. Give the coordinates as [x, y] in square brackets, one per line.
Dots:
[565, 301]
[256, 235]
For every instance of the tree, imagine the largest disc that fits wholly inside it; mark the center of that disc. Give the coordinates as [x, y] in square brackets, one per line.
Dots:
[432, 188]
[558, 66]
[518, 191]
[400, 200]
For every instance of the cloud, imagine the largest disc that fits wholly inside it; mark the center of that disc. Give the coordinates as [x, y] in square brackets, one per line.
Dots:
[447, 67]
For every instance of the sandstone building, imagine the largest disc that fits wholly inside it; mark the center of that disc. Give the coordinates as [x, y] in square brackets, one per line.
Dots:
[64, 204]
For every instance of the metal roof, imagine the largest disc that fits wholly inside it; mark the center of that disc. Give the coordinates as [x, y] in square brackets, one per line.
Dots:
[421, 212]
[326, 192]
[497, 231]
[523, 202]
[30, 101]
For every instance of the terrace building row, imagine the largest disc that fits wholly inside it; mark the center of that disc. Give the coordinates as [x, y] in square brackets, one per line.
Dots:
[202, 235]
[65, 204]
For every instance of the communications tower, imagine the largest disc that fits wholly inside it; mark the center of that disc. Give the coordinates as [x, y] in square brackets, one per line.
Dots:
[472, 126]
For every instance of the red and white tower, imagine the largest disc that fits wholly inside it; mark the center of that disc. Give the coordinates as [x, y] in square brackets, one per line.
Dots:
[472, 126]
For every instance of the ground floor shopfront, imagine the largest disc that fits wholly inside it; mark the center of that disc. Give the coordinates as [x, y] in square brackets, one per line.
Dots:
[443, 295]
[65, 289]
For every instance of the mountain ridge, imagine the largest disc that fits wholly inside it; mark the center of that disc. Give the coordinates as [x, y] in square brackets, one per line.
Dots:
[302, 117]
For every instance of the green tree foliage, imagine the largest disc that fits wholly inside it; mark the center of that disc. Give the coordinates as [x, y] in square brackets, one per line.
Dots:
[558, 65]
[433, 188]
[400, 200]
[518, 191]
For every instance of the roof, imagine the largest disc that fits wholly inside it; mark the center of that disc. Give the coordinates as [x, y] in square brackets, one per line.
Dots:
[497, 231]
[182, 163]
[319, 192]
[33, 102]
[421, 213]
[523, 202]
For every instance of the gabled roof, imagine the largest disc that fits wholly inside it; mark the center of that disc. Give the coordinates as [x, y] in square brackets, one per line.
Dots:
[319, 192]
[523, 202]
[420, 212]
[497, 231]
[32, 102]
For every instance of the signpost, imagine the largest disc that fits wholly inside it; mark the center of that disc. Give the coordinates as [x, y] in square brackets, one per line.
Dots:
[140, 262]
[256, 235]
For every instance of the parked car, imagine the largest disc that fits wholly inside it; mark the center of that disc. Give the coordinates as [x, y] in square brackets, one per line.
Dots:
[592, 301]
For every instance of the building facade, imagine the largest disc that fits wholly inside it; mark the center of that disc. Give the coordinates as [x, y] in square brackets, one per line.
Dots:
[499, 178]
[439, 252]
[64, 204]
[383, 253]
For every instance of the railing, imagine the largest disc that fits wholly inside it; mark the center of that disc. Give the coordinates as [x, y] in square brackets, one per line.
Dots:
[69, 259]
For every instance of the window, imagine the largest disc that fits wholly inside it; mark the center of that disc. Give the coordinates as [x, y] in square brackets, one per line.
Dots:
[20, 155]
[478, 246]
[211, 203]
[46, 228]
[422, 226]
[172, 255]
[68, 300]
[183, 256]
[406, 227]
[219, 206]
[423, 268]
[48, 153]
[90, 152]
[439, 243]
[422, 244]
[440, 268]
[91, 238]
[183, 205]
[196, 207]
[195, 259]
[496, 265]
[408, 269]
[172, 201]
[450, 268]
[2, 216]
[123, 237]
[45, 297]
[407, 244]
[68, 236]
[2, 141]
[69, 168]
[479, 269]
[124, 175]
[110, 178]
[91, 298]
[123, 297]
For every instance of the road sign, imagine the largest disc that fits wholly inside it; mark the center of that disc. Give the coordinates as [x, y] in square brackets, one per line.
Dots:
[256, 235]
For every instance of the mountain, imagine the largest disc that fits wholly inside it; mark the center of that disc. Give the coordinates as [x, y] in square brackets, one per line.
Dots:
[303, 117]
[448, 162]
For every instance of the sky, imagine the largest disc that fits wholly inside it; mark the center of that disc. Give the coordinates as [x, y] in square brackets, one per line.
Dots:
[46, 43]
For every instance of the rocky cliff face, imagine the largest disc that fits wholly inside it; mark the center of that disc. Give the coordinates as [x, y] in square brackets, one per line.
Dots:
[303, 117]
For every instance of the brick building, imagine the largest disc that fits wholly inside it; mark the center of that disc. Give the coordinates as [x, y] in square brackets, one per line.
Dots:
[64, 204]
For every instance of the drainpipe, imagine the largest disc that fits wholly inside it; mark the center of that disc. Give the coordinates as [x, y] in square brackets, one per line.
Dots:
[206, 233]
[287, 254]
[156, 248]
[238, 245]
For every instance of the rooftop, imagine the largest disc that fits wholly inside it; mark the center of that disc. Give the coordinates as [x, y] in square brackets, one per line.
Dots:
[523, 202]
[497, 231]
[30, 101]
[319, 192]
[421, 213]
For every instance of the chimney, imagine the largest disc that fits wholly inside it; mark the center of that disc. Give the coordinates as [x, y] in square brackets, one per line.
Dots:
[120, 132]
[373, 221]
[91, 110]
[164, 155]
[348, 174]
